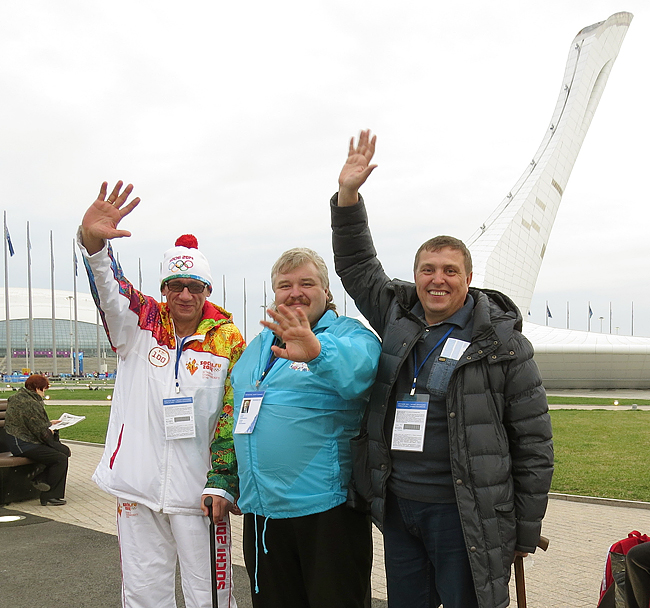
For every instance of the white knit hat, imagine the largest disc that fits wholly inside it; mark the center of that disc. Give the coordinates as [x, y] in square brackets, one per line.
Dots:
[185, 261]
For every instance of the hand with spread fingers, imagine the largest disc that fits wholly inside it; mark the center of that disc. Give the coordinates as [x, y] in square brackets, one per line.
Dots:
[293, 328]
[357, 168]
[101, 220]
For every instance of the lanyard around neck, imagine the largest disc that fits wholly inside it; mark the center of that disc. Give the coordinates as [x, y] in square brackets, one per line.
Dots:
[272, 360]
[415, 359]
[179, 352]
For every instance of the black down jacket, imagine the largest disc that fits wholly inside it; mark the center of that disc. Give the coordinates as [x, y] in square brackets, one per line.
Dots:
[500, 437]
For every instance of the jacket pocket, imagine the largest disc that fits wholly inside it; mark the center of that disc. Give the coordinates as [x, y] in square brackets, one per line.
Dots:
[440, 374]
[359, 489]
[507, 526]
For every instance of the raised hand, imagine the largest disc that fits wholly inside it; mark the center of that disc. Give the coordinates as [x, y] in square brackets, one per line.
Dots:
[293, 328]
[101, 220]
[356, 169]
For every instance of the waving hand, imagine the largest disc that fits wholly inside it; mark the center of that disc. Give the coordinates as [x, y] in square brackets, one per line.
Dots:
[356, 169]
[101, 220]
[292, 327]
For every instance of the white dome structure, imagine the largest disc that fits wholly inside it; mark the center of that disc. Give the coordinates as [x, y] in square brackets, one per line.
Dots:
[581, 359]
[85, 334]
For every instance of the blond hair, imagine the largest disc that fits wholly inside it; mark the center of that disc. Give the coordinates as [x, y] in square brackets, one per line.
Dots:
[297, 257]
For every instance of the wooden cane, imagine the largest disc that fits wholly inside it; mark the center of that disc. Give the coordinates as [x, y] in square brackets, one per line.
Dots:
[520, 584]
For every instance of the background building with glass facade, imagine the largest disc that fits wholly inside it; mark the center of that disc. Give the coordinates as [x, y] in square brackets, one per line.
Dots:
[86, 335]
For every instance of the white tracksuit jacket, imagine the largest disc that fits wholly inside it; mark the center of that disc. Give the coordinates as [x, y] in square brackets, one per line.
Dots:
[139, 464]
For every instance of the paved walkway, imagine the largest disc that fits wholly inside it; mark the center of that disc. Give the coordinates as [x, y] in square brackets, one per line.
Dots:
[568, 575]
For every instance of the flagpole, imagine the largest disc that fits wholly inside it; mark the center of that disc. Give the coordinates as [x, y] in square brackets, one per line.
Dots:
[7, 319]
[29, 304]
[55, 369]
[610, 317]
[589, 313]
[567, 315]
[223, 286]
[546, 313]
[140, 274]
[632, 324]
[98, 346]
[76, 309]
[70, 298]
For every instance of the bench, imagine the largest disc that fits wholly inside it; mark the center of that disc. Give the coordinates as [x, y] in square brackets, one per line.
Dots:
[16, 472]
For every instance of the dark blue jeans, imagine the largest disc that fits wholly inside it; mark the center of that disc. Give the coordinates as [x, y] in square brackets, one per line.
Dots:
[425, 554]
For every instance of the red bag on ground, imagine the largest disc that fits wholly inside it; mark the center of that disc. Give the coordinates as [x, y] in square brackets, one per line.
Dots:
[615, 562]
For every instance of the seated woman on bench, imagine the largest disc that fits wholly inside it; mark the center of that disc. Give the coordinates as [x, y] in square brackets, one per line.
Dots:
[28, 427]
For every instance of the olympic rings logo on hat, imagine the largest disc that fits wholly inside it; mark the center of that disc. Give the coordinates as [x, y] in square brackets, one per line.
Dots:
[180, 265]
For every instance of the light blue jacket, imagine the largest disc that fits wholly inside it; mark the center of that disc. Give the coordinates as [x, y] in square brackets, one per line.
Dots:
[297, 459]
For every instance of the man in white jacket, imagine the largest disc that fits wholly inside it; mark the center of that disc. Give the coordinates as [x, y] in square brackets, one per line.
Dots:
[172, 402]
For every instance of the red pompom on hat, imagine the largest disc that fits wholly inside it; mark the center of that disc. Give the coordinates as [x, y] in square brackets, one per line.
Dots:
[187, 240]
[184, 260]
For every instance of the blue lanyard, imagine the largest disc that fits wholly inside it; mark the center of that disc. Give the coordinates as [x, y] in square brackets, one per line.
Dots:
[415, 359]
[179, 352]
[272, 360]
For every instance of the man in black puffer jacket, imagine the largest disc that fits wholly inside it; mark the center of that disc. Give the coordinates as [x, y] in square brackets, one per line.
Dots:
[455, 457]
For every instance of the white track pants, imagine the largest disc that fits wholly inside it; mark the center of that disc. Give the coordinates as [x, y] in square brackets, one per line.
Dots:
[150, 543]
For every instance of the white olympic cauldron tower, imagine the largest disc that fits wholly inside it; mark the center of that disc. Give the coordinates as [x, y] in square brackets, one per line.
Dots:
[508, 249]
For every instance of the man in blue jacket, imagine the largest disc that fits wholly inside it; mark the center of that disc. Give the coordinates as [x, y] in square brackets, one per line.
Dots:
[304, 381]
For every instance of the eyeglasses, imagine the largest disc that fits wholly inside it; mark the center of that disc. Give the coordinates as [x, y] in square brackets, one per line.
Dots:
[178, 287]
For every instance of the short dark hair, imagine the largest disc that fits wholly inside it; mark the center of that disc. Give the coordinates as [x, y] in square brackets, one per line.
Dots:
[36, 381]
[440, 242]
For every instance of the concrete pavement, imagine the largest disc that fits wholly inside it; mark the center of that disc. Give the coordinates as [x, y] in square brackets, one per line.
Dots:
[568, 575]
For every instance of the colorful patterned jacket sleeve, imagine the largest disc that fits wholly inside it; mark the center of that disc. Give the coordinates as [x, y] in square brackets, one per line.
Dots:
[115, 296]
[223, 474]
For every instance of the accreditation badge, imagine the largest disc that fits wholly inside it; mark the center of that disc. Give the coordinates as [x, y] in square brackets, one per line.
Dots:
[410, 423]
[249, 410]
[179, 418]
[454, 349]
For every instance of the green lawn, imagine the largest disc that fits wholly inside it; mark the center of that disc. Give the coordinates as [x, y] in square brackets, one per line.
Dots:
[602, 453]
[102, 392]
[92, 429]
[555, 400]
[597, 453]
[69, 394]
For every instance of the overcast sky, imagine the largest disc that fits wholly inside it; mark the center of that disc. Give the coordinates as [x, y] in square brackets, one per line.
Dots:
[232, 120]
